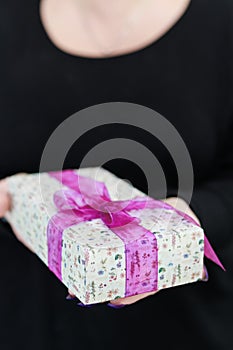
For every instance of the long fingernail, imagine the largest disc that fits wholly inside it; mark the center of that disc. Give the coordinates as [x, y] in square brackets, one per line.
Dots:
[116, 306]
[84, 305]
[206, 278]
[70, 297]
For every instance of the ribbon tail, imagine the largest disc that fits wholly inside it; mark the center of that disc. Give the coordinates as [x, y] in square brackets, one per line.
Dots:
[210, 253]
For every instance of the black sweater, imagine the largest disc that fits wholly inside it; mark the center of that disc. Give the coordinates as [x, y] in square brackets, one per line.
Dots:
[187, 77]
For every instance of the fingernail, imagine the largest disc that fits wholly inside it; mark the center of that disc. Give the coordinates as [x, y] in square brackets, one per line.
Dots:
[70, 297]
[116, 306]
[84, 305]
[206, 278]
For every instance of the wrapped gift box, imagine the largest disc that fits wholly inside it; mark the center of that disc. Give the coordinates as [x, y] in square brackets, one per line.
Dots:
[103, 238]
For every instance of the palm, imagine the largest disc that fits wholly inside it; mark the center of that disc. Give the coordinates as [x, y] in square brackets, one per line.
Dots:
[5, 205]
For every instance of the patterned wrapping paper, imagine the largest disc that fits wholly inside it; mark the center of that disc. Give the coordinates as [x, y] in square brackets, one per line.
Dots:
[96, 263]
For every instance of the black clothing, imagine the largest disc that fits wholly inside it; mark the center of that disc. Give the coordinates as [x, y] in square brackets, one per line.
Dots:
[186, 76]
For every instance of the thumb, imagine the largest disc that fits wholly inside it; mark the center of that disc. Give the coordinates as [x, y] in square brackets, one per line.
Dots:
[5, 201]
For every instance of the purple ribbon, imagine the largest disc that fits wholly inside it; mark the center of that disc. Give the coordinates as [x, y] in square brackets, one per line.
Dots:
[87, 199]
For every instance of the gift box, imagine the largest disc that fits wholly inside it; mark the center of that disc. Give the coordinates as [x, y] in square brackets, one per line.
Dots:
[102, 237]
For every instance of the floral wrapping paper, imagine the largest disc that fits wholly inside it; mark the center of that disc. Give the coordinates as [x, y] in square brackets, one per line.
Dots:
[93, 260]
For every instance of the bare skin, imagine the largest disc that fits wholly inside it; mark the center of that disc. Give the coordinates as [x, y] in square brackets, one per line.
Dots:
[101, 28]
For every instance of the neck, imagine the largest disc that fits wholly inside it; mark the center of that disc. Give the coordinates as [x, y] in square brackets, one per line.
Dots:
[108, 9]
[99, 27]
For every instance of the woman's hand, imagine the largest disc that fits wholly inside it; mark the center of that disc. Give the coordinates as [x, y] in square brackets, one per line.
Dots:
[182, 205]
[5, 205]
[179, 204]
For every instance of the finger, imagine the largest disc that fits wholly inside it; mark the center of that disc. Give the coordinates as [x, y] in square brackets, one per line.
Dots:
[205, 275]
[5, 202]
[132, 299]
[4, 198]
[5, 205]
[71, 296]
[3, 185]
[70, 293]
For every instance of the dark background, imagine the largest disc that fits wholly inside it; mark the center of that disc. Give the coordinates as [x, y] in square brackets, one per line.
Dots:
[187, 77]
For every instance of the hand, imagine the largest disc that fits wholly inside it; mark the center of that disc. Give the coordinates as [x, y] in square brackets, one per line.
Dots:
[179, 204]
[182, 205]
[5, 205]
